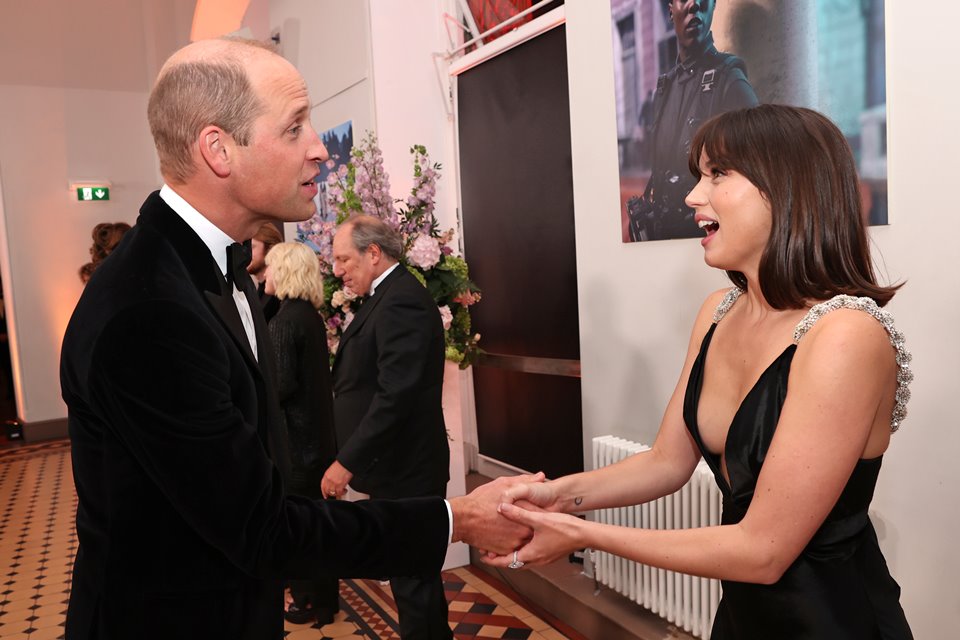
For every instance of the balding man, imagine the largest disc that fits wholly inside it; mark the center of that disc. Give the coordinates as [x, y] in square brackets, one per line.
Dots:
[388, 386]
[183, 525]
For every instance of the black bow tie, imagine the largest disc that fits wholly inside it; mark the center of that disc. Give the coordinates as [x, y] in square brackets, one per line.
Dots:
[238, 257]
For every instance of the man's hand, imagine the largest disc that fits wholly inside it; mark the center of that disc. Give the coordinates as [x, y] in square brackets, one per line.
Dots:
[477, 521]
[335, 480]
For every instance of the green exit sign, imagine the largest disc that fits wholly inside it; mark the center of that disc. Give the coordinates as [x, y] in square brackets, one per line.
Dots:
[85, 194]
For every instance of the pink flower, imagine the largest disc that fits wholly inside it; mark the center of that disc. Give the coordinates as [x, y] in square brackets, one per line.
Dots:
[425, 252]
[446, 317]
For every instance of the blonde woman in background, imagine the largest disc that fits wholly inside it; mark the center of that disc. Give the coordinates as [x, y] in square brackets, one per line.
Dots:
[299, 338]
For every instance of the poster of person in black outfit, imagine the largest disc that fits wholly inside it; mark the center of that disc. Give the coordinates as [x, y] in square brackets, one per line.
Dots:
[703, 83]
[677, 63]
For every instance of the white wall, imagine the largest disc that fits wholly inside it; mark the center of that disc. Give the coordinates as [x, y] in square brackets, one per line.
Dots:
[637, 301]
[329, 43]
[371, 62]
[411, 96]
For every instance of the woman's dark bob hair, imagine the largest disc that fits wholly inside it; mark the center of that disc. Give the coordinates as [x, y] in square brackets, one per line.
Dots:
[803, 166]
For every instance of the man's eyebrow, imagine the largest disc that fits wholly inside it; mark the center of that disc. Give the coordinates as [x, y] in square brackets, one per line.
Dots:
[300, 112]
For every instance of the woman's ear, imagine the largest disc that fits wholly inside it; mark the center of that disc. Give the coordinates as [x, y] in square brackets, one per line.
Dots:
[215, 149]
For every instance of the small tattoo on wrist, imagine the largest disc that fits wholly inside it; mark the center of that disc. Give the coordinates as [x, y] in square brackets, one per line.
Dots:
[578, 500]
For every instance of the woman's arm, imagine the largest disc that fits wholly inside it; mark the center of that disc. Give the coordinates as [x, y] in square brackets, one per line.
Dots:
[644, 476]
[841, 383]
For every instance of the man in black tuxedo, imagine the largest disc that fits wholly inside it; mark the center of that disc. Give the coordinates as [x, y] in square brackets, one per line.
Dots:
[183, 526]
[387, 388]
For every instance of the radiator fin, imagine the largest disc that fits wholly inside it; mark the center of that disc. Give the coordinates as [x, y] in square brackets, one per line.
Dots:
[689, 602]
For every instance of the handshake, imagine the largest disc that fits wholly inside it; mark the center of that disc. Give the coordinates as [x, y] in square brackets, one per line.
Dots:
[514, 521]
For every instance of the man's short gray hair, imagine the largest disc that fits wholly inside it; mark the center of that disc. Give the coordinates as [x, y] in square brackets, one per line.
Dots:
[368, 230]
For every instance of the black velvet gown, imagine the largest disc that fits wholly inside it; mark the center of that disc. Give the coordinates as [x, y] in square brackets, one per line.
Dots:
[839, 587]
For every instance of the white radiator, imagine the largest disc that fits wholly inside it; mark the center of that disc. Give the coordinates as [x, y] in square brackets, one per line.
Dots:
[686, 601]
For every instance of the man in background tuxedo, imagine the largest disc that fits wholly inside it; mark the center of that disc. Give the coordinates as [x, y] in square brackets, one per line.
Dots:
[166, 371]
[387, 386]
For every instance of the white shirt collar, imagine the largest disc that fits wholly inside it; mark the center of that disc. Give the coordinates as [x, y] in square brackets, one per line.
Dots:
[382, 277]
[215, 239]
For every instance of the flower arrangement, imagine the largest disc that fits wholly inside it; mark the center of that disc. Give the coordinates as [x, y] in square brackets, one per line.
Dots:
[363, 187]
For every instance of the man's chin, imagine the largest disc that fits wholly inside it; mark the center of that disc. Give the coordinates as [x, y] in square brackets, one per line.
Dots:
[299, 214]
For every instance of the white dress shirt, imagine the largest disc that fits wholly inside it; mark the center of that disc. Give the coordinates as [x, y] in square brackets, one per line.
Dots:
[217, 242]
[382, 277]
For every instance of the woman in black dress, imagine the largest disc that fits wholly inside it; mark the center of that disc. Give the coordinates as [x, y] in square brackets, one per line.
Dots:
[793, 383]
[299, 339]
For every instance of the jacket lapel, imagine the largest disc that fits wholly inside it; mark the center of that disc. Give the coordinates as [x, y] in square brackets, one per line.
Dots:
[201, 268]
[367, 308]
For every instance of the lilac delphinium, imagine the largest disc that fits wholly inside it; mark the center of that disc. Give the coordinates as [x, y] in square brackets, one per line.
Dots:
[372, 184]
[424, 190]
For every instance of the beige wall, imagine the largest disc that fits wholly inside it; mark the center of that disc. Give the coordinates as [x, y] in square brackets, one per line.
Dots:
[51, 136]
[73, 93]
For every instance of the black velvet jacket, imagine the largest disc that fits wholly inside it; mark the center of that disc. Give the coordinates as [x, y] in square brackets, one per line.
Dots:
[388, 387]
[183, 526]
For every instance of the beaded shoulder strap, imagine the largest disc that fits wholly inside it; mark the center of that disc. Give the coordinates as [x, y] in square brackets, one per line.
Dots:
[904, 374]
[726, 303]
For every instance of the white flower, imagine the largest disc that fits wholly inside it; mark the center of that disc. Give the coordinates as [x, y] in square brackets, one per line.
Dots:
[446, 317]
[425, 252]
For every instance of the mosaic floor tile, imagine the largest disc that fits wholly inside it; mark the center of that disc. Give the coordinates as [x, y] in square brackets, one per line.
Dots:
[38, 542]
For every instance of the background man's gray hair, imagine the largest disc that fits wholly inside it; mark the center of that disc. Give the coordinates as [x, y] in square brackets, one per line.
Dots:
[368, 230]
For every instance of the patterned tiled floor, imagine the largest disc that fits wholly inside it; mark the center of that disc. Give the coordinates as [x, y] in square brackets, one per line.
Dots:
[38, 542]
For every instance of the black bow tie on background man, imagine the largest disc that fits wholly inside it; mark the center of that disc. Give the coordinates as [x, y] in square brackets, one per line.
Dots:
[238, 257]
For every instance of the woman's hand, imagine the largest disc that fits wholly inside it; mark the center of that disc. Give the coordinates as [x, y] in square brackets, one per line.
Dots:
[555, 535]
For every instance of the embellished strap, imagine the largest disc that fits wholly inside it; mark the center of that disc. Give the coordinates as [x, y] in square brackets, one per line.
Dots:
[726, 303]
[904, 374]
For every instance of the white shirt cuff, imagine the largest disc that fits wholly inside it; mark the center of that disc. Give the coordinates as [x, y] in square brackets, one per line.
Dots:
[450, 518]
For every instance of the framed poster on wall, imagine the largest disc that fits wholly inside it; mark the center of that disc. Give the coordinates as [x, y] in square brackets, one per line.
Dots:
[679, 62]
[339, 144]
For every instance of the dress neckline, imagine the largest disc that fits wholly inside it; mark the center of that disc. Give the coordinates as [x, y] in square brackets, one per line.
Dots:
[715, 459]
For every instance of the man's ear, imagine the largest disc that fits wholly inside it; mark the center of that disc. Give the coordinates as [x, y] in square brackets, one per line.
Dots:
[216, 149]
[375, 253]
